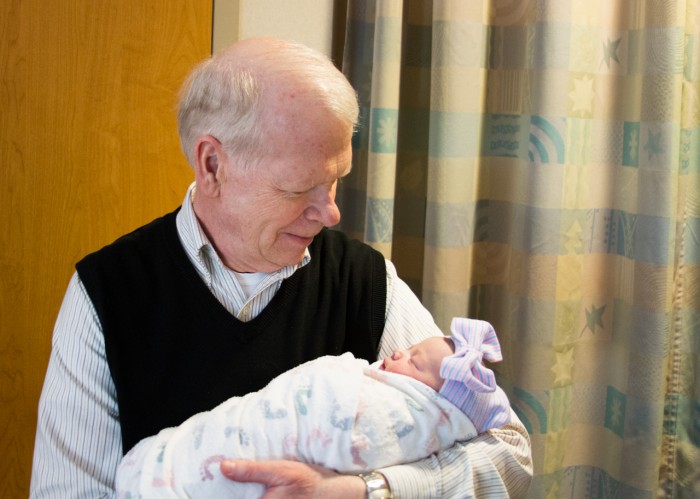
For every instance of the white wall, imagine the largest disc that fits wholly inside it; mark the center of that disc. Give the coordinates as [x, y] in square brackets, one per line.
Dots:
[306, 21]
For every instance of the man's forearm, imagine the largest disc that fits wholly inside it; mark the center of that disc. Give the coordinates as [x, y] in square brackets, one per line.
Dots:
[497, 463]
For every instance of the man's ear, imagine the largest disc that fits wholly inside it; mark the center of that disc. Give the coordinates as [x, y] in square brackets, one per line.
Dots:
[208, 156]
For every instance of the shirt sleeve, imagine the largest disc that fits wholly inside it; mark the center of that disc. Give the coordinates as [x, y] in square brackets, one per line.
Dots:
[78, 438]
[497, 463]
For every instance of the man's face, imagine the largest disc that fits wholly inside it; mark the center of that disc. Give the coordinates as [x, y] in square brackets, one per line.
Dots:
[268, 213]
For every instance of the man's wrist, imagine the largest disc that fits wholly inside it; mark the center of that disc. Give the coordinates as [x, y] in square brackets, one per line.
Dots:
[376, 485]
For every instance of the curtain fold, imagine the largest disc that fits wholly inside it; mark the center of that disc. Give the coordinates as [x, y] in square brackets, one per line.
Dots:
[535, 164]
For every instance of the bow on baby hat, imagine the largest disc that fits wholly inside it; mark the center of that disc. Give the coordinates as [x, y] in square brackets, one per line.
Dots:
[469, 384]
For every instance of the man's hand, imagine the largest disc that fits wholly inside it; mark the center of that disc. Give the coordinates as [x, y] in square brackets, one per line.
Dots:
[285, 479]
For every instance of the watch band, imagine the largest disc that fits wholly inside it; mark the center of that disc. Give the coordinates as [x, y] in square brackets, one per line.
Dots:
[377, 486]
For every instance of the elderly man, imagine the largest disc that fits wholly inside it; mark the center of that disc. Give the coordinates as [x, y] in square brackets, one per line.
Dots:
[241, 283]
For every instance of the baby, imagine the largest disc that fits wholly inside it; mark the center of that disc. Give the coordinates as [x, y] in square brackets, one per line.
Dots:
[335, 411]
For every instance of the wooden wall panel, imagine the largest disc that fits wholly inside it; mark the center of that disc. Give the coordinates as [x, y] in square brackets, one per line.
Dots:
[88, 151]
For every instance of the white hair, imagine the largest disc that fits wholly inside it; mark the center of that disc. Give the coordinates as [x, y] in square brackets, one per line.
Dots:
[223, 96]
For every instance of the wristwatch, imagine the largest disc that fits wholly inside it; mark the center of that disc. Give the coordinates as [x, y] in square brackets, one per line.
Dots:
[377, 486]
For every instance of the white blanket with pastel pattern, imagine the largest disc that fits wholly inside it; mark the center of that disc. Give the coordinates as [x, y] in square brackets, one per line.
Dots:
[338, 412]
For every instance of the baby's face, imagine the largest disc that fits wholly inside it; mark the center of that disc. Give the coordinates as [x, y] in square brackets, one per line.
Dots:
[421, 361]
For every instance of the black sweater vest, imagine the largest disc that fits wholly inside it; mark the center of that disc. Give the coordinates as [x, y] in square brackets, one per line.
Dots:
[173, 350]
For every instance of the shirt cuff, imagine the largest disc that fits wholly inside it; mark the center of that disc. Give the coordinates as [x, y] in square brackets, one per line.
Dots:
[413, 480]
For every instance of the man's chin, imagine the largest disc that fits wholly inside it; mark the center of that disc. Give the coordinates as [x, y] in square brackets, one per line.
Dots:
[289, 258]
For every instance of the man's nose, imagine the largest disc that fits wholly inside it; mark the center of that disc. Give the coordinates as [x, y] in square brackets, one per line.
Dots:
[323, 208]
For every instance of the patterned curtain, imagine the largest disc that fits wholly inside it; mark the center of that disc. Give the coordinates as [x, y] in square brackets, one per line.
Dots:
[535, 163]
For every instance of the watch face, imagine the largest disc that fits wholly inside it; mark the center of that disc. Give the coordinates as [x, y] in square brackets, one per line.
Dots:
[377, 486]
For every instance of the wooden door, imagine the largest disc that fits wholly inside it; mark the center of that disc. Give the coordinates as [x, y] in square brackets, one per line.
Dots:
[88, 151]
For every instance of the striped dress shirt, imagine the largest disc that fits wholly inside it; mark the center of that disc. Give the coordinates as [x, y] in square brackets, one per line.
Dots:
[78, 437]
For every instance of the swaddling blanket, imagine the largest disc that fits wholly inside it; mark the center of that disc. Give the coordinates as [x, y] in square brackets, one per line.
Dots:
[338, 412]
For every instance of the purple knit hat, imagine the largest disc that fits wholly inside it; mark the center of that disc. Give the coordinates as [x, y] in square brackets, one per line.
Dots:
[469, 384]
